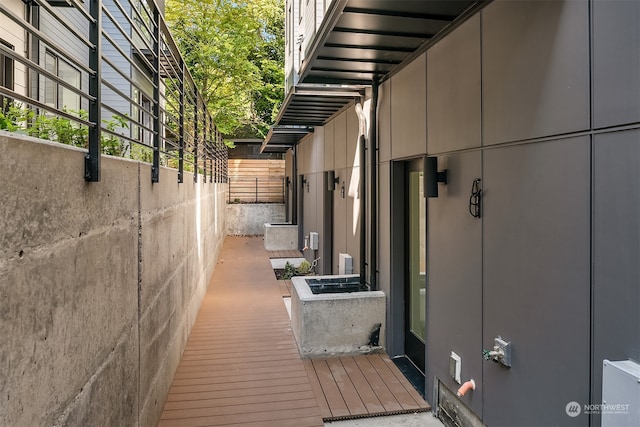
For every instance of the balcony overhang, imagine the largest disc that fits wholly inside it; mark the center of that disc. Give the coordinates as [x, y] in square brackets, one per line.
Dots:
[306, 106]
[281, 138]
[313, 105]
[363, 41]
[359, 43]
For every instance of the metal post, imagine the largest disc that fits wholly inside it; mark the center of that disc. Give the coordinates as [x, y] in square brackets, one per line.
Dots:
[256, 190]
[92, 159]
[211, 141]
[373, 146]
[196, 137]
[363, 214]
[181, 147]
[205, 140]
[155, 169]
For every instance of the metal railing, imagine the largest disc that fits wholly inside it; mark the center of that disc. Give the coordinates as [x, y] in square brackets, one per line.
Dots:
[256, 190]
[110, 69]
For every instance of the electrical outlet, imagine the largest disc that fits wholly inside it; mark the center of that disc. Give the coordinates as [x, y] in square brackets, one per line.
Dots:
[455, 366]
[504, 347]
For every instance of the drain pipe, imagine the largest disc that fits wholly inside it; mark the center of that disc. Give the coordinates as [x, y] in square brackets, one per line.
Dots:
[373, 148]
[362, 131]
[294, 179]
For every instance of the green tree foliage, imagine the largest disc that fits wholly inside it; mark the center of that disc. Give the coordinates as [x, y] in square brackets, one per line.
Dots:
[235, 53]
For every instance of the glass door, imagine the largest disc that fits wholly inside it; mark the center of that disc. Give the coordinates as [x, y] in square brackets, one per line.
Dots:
[416, 255]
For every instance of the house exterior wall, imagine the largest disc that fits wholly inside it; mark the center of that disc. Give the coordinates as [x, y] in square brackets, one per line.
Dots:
[540, 101]
[13, 34]
[76, 49]
[292, 51]
[528, 259]
[408, 102]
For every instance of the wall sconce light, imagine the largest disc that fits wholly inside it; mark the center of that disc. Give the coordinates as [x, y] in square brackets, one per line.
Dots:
[432, 177]
[305, 182]
[332, 180]
[475, 200]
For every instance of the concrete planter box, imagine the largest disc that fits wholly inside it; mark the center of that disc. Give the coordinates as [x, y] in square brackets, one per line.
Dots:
[280, 237]
[335, 323]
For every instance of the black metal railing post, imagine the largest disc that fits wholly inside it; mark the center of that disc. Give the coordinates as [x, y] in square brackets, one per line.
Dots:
[181, 128]
[92, 159]
[212, 154]
[155, 169]
[196, 137]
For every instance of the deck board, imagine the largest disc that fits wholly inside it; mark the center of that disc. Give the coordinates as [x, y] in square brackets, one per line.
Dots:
[371, 401]
[317, 389]
[285, 288]
[349, 393]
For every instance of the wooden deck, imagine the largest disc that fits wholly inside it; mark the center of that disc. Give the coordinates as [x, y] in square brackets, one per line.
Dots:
[241, 365]
[361, 386]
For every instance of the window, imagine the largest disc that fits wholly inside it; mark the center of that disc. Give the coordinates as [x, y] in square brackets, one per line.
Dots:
[56, 95]
[6, 72]
[142, 114]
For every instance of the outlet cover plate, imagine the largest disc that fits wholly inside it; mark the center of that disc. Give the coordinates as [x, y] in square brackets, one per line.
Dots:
[455, 366]
[505, 346]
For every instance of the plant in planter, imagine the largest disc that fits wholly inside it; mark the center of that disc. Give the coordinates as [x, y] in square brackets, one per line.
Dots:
[304, 269]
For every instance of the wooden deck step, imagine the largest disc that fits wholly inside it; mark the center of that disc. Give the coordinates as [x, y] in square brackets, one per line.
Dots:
[361, 386]
[286, 254]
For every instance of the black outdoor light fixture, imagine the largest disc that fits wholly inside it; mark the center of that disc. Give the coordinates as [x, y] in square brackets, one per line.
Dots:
[332, 180]
[432, 177]
[475, 200]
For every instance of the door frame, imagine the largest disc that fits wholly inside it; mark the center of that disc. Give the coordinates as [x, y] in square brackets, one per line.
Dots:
[396, 317]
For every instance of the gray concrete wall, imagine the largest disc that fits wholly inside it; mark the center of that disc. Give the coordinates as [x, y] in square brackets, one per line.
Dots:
[100, 284]
[248, 219]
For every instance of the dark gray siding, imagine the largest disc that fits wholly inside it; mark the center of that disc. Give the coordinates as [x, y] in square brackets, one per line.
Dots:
[616, 251]
[559, 240]
[454, 290]
[535, 69]
[453, 90]
[536, 289]
[616, 63]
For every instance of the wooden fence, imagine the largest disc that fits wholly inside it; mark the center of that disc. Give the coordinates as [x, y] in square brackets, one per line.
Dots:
[256, 181]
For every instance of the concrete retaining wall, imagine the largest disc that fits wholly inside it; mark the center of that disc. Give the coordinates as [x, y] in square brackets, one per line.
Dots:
[245, 219]
[280, 237]
[100, 284]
